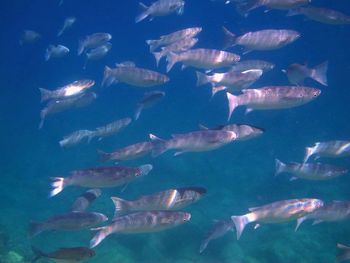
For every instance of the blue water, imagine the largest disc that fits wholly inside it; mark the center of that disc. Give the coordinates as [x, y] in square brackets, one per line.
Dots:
[237, 176]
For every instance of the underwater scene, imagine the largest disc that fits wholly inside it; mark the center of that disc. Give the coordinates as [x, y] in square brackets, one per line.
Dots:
[175, 131]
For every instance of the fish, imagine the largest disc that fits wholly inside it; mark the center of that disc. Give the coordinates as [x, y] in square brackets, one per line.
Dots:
[334, 149]
[55, 106]
[171, 199]
[67, 222]
[344, 253]
[141, 222]
[177, 47]
[129, 152]
[245, 65]
[229, 81]
[160, 8]
[297, 73]
[334, 211]
[272, 97]
[197, 141]
[68, 22]
[310, 171]
[263, 40]
[165, 40]
[322, 15]
[98, 52]
[109, 129]
[72, 89]
[202, 58]
[29, 37]
[93, 41]
[56, 51]
[99, 177]
[277, 212]
[128, 73]
[85, 200]
[217, 230]
[74, 138]
[65, 255]
[149, 99]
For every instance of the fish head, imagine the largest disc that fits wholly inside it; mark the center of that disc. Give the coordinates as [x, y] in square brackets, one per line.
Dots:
[186, 217]
[310, 205]
[177, 6]
[248, 131]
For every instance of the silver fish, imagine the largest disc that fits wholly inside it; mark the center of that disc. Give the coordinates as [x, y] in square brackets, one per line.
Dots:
[277, 212]
[174, 37]
[93, 41]
[141, 222]
[245, 65]
[334, 149]
[67, 221]
[29, 37]
[68, 22]
[310, 171]
[269, 39]
[198, 141]
[171, 199]
[101, 177]
[203, 58]
[344, 253]
[161, 8]
[85, 200]
[56, 52]
[273, 97]
[98, 52]
[109, 129]
[297, 73]
[149, 99]
[74, 138]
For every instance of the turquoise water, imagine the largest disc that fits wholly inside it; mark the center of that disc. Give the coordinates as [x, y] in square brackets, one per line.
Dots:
[237, 176]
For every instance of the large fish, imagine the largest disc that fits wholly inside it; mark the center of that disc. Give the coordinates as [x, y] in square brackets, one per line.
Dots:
[68, 22]
[101, 177]
[149, 99]
[85, 200]
[93, 41]
[141, 222]
[334, 149]
[297, 73]
[65, 255]
[109, 129]
[171, 199]
[310, 171]
[203, 58]
[128, 73]
[67, 222]
[57, 51]
[245, 65]
[281, 211]
[75, 138]
[344, 253]
[269, 39]
[198, 141]
[161, 8]
[273, 97]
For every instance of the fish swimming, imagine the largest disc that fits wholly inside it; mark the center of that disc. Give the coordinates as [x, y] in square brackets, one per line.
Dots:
[109, 129]
[98, 52]
[343, 254]
[99, 177]
[141, 222]
[56, 52]
[68, 22]
[67, 222]
[245, 65]
[161, 8]
[277, 212]
[93, 41]
[85, 200]
[272, 97]
[149, 99]
[297, 73]
[74, 138]
[334, 149]
[65, 255]
[171, 199]
[29, 37]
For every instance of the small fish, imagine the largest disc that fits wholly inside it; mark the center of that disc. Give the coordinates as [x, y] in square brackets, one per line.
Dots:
[141, 222]
[68, 22]
[161, 8]
[322, 15]
[74, 138]
[67, 222]
[56, 52]
[128, 73]
[100, 177]
[203, 58]
[218, 229]
[149, 99]
[246, 65]
[297, 73]
[109, 129]
[93, 41]
[98, 52]
[273, 97]
[67, 255]
[198, 141]
[129, 152]
[72, 89]
[310, 171]
[277, 212]
[85, 200]
[174, 37]
[334, 149]
[171, 199]
[344, 253]
[29, 37]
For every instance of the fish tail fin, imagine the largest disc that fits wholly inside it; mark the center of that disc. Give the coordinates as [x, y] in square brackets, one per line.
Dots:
[229, 38]
[300, 220]
[47, 54]
[319, 73]
[35, 228]
[145, 169]
[42, 118]
[215, 90]
[203, 245]
[158, 56]
[103, 156]
[81, 47]
[171, 59]
[280, 166]
[202, 78]
[240, 223]
[309, 151]
[138, 111]
[45, 94]
[233, 103]
[102, 233]
[159, 145]
[121, 206]
[58, 185]
[38, 254]
[107, 77]
[153, 44]
[244, 7]
[144, 14]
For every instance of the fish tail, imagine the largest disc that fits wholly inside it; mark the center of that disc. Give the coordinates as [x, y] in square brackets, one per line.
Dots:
[138, 111]
[107, 77]
[153, 44]
[42, 118]
[202, 78]
[45, 94]
[244, 7]
[81, 47]
[240, 223]
[300, 220]
[103, 156]
[229, 38]
[171, 59]
[319, 73]
[144, 13]
[159, 145]
[233, 103]
[102, 233]
[38, 254]
[309, 151]
[35, 228]
[58, 184]
[121, 206]
[145, 169]
[280, 166]
[215, 90]
[158, 56]
[203, 245]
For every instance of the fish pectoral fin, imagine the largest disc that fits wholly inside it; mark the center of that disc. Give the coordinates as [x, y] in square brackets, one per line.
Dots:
[256, 226]
[252, 209]
[178, 153]
[124, 187]
[317, 221]
[293, 179]
[248, 110]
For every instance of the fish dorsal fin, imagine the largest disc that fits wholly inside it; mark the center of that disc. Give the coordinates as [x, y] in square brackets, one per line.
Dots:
[126, 64]
[155, 138]
[252, 209]
[202, 127]
[143, 6]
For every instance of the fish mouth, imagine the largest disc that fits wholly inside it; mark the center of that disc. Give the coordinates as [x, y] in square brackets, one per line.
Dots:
[187, 217]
